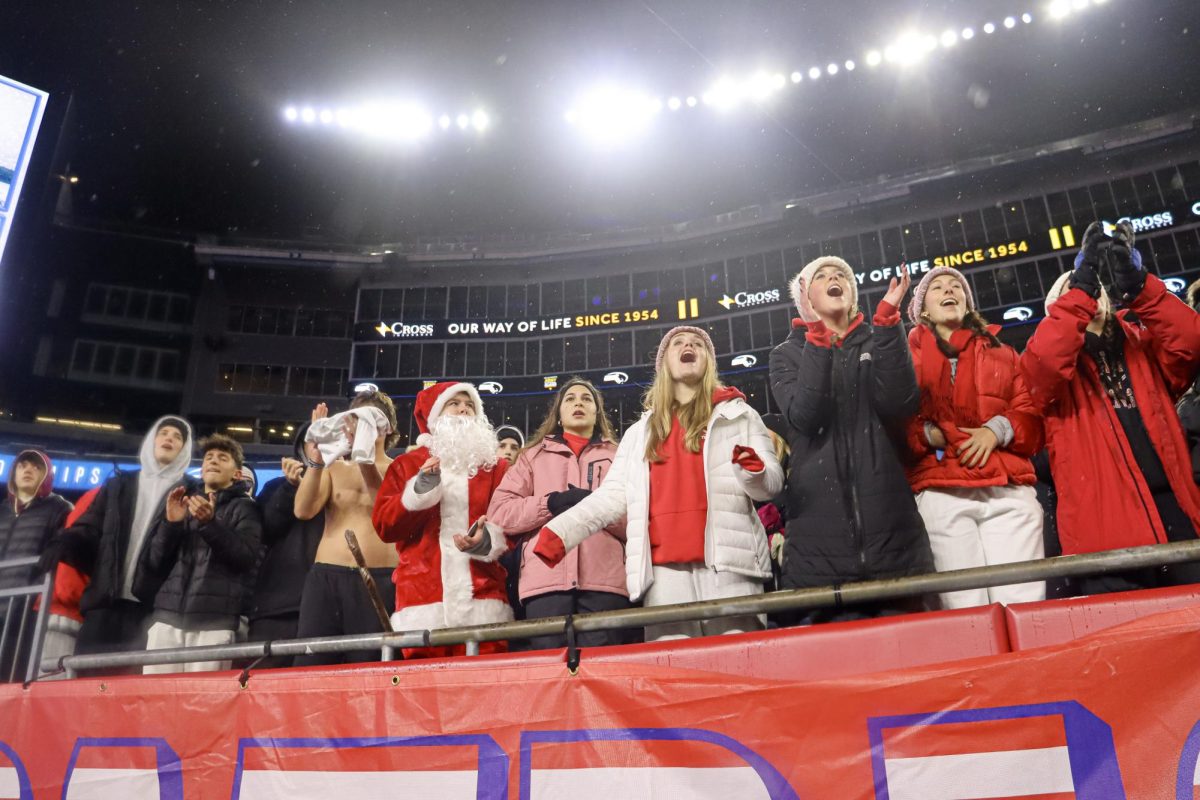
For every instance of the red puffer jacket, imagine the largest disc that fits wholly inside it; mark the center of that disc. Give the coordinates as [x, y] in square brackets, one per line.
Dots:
[988, 384]
[1103, 500]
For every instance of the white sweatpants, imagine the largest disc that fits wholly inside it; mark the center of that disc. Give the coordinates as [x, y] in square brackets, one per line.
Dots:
[981, 527]
[162, 636]
[689, 583]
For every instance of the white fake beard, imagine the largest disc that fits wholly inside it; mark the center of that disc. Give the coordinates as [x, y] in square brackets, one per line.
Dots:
[464, 444]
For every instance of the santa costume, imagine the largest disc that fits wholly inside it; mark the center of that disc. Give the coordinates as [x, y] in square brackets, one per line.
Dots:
[437, 585]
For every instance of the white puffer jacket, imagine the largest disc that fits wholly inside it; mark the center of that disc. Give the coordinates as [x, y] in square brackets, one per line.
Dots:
[734, 540]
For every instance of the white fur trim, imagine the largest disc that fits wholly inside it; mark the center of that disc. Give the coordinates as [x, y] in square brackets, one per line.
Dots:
[433, 617]
[440, 403]
[499, 543]
[458, 590]
[419, 502]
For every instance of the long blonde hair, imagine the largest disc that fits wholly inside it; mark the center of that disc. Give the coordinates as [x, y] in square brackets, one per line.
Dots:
[659, 400]
[552, 424]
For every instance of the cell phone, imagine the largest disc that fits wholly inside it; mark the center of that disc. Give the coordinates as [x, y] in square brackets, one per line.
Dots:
[473, 529]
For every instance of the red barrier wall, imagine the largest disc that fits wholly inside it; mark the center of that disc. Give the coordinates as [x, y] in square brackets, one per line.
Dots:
[1058, 621]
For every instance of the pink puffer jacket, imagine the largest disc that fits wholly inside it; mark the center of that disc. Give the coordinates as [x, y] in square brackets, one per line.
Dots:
[519, 507]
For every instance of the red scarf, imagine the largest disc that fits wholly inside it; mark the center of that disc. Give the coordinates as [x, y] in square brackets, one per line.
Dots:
[944, 399]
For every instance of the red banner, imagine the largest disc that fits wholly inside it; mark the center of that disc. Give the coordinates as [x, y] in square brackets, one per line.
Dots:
[1110, 716]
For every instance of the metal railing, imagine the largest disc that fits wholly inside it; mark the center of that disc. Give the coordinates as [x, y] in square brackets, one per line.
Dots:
[789, 600]
[23, 628]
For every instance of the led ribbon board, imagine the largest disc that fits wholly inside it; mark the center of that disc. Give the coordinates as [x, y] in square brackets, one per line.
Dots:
[21, 110]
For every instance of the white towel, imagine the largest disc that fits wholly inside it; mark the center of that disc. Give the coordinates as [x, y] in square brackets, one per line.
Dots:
[333, 443]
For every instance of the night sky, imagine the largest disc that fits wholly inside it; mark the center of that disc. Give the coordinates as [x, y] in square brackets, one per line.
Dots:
[177, 106]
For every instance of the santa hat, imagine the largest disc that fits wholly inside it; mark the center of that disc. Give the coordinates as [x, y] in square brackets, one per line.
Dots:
[431, 401]
[1061, 286]
[805, 278]
[678, 329]
[918, 299]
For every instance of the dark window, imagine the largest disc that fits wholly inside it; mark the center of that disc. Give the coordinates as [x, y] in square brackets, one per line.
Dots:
[1036, 216]
[573, 296]
[368, 305]
[618, 291]
[477, 302]
[81, 361]
[146, 359]
[168, 367]
[432, 355]
[286, 323]
[224, 381]
[760, 326]
[102, 365]
[718, 331]
[387, 358]
[476, 359]
[339, 324]
[514, 358]
[458, 303]
[96, 296]
[392, 304]
[574, 355]
[456, 359]
[993, 224]
[533, 357]
[137, 305]
[496, 302]
[955, 237]
[620, 349]
[516, 302]
[972, 222]
[158, 308]
[596, 295]
[645, 288]
[1103, 205]
[893, 246]
[552, 356]
[435, 303]
[552, 299]
[740, 331]
[533, 300]
[774, 275]
[597, 351]
[117, 298]
[305, 322]
[495, 359]
[179, 310]
[407, 361]
[793, 261]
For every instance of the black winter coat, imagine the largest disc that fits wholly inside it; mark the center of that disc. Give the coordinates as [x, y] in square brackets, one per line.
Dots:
[192, 568]
[291, 547]
[97, 542]
[1189, 416]
[851, 513]
[25, 535]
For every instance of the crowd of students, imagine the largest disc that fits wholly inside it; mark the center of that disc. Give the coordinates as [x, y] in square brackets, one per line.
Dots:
[897, 452]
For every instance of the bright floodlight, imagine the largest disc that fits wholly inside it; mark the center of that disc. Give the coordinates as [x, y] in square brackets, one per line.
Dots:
[758, 87]
[326, 116]
[1010, 22]
[480, 120]
[462, 121]
[608, 114]
[989, 28]
[723, 95]
[395, 121]
[444, 121]
[850, 65]
[692, 101]
[308, 115]
[1027, 18]
[674, 103]
[778, 81]
[797, 77]
[968, 33]
[910, 48]
[874, 58]
[1060, 8]
[814, 73]
[832, 69]
[344, 117]
[291, 114]
[949, 38]
[1079, 5]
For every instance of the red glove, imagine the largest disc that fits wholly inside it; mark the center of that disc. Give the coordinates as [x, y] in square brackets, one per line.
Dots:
[816, 333]
[770, 517]
[549, 548]
[747, 459]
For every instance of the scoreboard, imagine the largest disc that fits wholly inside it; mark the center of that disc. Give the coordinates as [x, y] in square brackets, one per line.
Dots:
[21, 109]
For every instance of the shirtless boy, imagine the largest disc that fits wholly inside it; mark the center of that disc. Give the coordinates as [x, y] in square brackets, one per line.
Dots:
[335, 602]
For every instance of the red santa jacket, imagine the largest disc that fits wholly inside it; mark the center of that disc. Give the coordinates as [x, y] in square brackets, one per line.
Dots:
[1103, 500]
[437, 586]
[988, 384]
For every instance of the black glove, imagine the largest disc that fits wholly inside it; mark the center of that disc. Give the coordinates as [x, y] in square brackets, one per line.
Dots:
[558, 502]
[1091, 255]
[53, 552]
[1128, 275]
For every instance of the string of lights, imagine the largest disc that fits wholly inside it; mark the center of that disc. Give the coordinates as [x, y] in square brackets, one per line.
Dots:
[608, 113]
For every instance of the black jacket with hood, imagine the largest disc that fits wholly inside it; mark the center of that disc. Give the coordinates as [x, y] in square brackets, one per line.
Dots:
[291, 546]
[98, 543]
[189, 567]
[851, 513]
[25, 528]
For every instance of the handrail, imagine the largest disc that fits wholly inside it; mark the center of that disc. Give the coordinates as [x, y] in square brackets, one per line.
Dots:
[787, 600]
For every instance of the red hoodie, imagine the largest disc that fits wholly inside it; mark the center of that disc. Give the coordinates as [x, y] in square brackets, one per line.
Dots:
[679, 496]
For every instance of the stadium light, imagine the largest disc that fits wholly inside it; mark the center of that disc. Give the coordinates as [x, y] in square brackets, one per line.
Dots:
[462, 121]
[949, 39]
[692, 101]
[797, 76]
[989, 27]
[608, 115]
[850, 65]
[326, 116]
[444, 122]
[1010, 22]
[480, 120]
[814, 73]
[291, 114]
[724, 95]
[874, 58]
[674, 103]
[308, 115]
[968, 33]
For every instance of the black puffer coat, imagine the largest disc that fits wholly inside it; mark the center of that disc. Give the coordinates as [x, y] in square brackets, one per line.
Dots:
[192, 568]
[851, 513]
[291, 547]
[25, 529]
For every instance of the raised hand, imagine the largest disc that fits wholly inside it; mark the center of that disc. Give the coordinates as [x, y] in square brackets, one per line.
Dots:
[432, 466]
[898, 288]
[293, 470]
[202, 508]
[320, 411]
[177, 505]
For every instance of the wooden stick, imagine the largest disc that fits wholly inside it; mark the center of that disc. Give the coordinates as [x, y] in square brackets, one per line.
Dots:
[368, 580]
